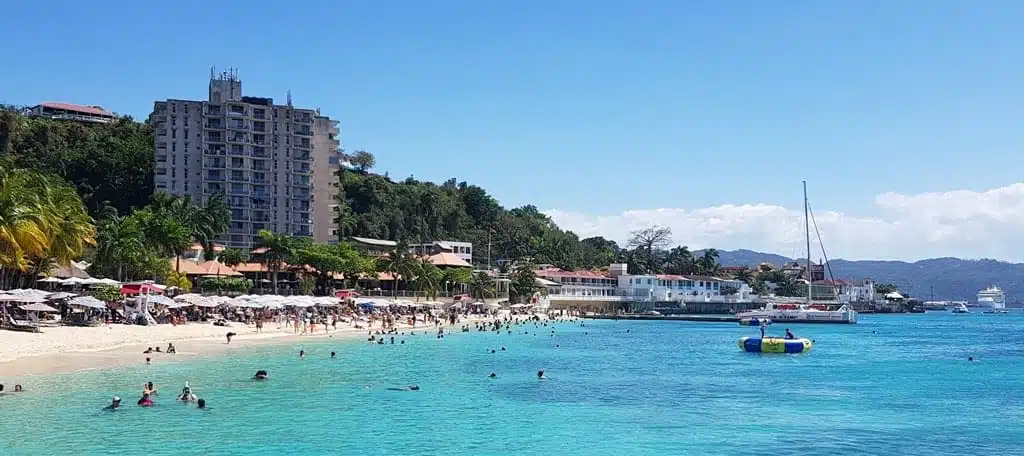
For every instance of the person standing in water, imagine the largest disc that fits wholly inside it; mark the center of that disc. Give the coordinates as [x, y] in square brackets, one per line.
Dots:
[229, 336]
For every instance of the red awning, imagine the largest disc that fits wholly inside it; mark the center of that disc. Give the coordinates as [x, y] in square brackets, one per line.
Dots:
[140, 288]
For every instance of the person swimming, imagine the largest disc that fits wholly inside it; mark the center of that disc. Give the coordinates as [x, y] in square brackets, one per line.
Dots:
[186, 394]
[148, 361]
[201, 403]
[407, 388]
[145, 401]
[493, 375]
[17, 389]
[541, 376]
[333, 354]
[148, 388]
[261, 375]
[115, 403]
[302, 353]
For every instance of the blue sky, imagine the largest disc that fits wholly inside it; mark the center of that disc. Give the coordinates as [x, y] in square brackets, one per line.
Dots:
[590, 108]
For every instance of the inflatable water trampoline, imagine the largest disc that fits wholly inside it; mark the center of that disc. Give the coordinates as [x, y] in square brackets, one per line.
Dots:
[774, 345]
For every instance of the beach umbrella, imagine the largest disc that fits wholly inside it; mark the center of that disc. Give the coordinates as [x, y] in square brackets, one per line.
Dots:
[37, 307]
[60, 295]
[87, 301]
[109, 282]
[161, 299]
[72, 281]
[49, 280]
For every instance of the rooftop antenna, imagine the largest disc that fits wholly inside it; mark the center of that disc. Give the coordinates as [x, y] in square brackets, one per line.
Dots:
[289, 98]
[213, 72]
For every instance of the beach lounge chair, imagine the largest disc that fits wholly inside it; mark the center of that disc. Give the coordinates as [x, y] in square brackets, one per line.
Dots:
[19, 325]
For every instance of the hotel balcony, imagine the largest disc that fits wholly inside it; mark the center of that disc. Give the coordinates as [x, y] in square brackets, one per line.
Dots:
[213, 124]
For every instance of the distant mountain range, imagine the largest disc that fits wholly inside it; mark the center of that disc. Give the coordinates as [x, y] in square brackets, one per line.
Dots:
[945, 278]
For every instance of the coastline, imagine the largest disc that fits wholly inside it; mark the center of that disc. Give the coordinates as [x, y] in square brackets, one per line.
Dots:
[62, 350]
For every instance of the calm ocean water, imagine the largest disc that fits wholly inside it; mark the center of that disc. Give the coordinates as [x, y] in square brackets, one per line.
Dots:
[889, 385]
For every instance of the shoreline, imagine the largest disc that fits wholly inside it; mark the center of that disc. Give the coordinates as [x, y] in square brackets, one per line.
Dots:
[121, 346]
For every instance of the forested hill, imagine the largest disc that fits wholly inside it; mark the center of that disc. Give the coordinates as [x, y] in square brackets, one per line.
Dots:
[413, 211]
[107, 163]
[948, 278]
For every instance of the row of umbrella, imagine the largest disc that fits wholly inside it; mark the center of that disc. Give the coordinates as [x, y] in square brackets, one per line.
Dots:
[78, 281]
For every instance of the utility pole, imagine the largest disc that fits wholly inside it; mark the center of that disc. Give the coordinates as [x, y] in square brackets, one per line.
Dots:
[488, 249]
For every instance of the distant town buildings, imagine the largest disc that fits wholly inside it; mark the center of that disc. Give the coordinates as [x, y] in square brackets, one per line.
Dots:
[274, 163]
[68, 111]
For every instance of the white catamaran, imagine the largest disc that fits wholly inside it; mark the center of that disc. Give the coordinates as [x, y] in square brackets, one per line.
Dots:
[807, 312]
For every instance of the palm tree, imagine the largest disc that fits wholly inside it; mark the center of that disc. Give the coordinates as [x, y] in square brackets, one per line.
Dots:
[278, 250]
[708, 263]
[232, 257]
[482, 286]
[204, 224]
[40, 218]
[745, 275]
[428, 278]
[400, 264]
[119, 243]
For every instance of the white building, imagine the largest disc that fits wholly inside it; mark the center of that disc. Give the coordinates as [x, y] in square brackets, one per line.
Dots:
[617, 285]
[273, 163]
[580, 285]
[462, 250]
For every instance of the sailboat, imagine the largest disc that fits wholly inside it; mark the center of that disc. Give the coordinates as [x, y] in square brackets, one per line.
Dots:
[806, 312]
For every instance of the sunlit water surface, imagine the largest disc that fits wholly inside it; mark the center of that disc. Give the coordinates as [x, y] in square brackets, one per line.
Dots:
[890, 385]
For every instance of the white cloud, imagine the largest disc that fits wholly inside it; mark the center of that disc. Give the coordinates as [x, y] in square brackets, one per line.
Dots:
[960, 223]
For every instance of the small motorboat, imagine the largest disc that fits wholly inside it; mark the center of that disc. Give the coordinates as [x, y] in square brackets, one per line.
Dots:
[775, 345]
[755, 321]
[961, 309]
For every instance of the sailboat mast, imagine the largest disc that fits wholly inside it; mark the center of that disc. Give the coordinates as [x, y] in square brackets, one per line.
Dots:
[807, 234]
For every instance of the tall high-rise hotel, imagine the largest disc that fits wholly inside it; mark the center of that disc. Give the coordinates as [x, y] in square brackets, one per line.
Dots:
[274, 164]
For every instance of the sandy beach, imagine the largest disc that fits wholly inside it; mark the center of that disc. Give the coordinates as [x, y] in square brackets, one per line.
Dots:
[68, 349]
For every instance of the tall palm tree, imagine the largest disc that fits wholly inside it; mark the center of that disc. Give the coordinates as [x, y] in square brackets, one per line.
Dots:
[428, 278]
[119, 242]
[400, 264]
[482, 286]
[278, 250]
[204, 224]
[708, 263]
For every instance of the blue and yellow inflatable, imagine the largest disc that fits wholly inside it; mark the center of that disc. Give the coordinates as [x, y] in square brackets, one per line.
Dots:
[774, 345]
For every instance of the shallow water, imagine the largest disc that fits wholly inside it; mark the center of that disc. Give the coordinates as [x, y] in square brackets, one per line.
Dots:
[889, 385]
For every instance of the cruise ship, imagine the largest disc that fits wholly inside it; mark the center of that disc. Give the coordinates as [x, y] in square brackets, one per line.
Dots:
[992, 297]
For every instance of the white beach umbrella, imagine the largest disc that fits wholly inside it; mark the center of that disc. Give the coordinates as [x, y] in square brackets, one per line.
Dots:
[61, 295]
[49, 280]
[72, 281]
[109, 282]
[91, 281]
[87, 301]
[37, 307]
[160, 299]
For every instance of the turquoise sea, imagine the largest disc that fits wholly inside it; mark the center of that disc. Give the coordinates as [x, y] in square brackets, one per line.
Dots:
[890, 385]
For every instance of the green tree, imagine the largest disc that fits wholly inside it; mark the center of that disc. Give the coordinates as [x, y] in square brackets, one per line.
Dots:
[707, 264]
[524, 283]
[428, 278]
[400, 264]
[645, 245]
[482, 286]
[232, 257]
[277, 249]
[362, 160]
[107, 293]
[680, 261]
[885, 288]
[456, 278]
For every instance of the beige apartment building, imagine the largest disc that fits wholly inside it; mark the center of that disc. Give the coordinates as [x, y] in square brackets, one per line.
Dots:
[274, 164]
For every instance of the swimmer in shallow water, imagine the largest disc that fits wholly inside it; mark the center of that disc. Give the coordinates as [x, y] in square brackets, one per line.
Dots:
[201, 403]
[261, 375]
[493, 375]
[115, 404]
[145, 401]
[541, 376]
[186, 394]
